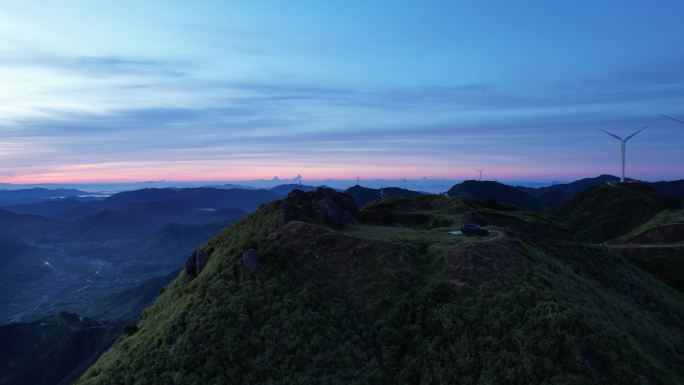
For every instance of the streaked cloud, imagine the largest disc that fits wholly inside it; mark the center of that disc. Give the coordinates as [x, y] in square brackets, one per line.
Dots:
[219, 89]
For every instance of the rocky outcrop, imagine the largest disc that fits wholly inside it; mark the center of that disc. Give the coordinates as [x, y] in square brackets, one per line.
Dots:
[251, 259]
[196, 262]
[323, 206]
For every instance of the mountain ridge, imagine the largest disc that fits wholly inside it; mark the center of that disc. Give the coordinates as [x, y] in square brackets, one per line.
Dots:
[408, 304]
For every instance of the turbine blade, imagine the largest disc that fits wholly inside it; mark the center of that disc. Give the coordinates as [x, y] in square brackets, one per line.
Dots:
[671, 118]
[614, 136]
[627, 138]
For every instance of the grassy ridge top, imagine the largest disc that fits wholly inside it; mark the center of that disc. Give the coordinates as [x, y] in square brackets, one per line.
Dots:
[378, 304]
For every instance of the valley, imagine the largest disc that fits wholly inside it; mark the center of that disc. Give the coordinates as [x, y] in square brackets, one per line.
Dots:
[386, 294]
[393, 285]
[341, 192]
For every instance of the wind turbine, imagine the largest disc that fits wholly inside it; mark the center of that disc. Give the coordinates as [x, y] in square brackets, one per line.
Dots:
[671, 118]
[623, 142]
[357, 180]
[480, 171]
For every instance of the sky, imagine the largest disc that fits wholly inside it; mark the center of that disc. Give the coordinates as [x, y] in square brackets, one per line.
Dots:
[233, 90]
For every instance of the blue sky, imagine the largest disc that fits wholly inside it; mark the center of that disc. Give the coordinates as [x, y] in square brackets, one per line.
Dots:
[228, 90]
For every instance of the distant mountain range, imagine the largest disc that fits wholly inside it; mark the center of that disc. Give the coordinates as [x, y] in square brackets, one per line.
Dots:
[285, 189]
[499, 192]
[364, 195]
[12, 197]
[139, 219]
[546, 197]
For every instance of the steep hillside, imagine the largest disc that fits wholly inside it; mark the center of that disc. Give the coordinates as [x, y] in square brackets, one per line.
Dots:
[556, 194]
[282, 297]
[608, 211]
[364, 195]
[482, 190]
[51, 351]
[666, 227]
[127, 305]
[666, 263]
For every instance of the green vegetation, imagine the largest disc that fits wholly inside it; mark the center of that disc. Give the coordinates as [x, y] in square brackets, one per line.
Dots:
[609, 211]
[665, 218]
[667, 263]
[379, 304]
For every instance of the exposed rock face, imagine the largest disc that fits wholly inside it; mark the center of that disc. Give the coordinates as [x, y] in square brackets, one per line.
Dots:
[196, 262]
[251, 258]
[483, 265]
[323, 207]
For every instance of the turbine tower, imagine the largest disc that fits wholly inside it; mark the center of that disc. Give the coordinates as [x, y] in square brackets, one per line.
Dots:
[671, 118]
[357, 180]
[623, 142]
[480, 171]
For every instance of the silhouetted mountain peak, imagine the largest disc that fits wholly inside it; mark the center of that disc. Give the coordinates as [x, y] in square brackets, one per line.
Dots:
[364, 195]
[483, 190]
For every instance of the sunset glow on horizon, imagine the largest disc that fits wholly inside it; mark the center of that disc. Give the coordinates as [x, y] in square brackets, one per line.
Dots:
[136, 91]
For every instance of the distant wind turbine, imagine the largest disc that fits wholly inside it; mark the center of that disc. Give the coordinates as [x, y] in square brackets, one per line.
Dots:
[480, 171]
[357, 180]
[671, 118]
[623, 142]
